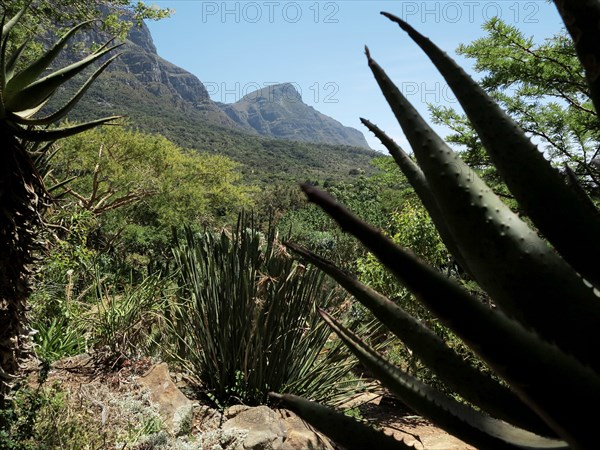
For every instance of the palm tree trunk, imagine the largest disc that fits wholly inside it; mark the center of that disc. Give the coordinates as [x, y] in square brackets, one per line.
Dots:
[22, 199]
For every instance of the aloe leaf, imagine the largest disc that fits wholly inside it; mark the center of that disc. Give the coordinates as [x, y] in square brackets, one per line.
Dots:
[581, 17]
[103, 46]
[544, 196]
[28, 75]
[42, 153]
[458, 419]
[12, 61]
[59, 185]
[417, 180]
[41, 89]
[34, 135]
[576, 186]
[6, 27]
[24, 117]
[21, 116]
[552, 383]
[517, 268]
[465, 380]
[342, 429]
[3, 44]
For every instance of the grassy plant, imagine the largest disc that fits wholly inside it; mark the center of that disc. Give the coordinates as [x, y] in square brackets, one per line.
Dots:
[125, 321]
[246, 319]
[58, 339]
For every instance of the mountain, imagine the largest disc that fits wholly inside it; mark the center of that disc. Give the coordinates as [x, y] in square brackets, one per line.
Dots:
[278, 111]
[141, 80]
[160, 97]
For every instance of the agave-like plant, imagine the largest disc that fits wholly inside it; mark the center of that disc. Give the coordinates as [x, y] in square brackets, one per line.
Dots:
[542, 338]
[24, 90]
[246, 321]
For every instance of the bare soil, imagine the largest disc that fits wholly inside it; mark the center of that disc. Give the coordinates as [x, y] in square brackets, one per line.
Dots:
[397, 420]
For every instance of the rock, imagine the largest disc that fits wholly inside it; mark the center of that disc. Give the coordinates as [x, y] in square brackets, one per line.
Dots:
[175, 409]
[152, 78]
[269, 429]
[207, 418]
[234, 410]
[265, 430]
[300, 436]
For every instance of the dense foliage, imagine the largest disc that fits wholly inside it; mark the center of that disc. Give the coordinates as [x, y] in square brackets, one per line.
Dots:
[543, 88]
[136, 187]
[46, 14]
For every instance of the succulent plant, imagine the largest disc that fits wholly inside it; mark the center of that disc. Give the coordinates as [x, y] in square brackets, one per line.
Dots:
[24, 90]
[541, 339]
[23, 93]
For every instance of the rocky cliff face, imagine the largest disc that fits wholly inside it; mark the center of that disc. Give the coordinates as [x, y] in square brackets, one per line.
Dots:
[278, 111]
[141, 80]
[141, 60]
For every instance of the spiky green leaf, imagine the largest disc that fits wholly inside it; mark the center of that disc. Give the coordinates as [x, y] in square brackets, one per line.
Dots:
[517, 268]
[344, 430]
[462, 421]
[518, 356]
[470, 383]
[8, 26]
[24, 118]
[40, 90]
[29, 74]
[545, 197]
[417, 180]
[11, 64]
[581, 17]
[43, 135]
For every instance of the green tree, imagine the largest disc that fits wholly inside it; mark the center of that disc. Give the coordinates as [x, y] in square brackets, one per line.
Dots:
[375, 198]
[47, 15]
[542, 87]
[311, 226]
[139, 186]
[23, 195]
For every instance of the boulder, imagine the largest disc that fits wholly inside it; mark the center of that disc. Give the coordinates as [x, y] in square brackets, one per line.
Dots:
[300, 436]
[265, 430]
[269, 429]
[175, 409]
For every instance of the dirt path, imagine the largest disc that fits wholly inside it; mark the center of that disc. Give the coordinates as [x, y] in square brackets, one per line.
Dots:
[404, 425]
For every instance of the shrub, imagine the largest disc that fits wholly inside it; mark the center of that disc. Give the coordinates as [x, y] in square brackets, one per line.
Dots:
[246, 319]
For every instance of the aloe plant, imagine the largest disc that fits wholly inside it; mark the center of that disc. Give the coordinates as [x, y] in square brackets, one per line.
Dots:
[24, 90]
[541, 338]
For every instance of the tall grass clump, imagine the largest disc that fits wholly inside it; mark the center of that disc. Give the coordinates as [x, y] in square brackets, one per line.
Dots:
[126, 321]
[246, 319]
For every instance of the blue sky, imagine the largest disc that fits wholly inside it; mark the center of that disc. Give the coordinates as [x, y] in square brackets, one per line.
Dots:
[234, 47]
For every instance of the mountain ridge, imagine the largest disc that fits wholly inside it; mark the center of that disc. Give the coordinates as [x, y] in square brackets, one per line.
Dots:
[278, 111]
[160, 97]
[275, 111]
